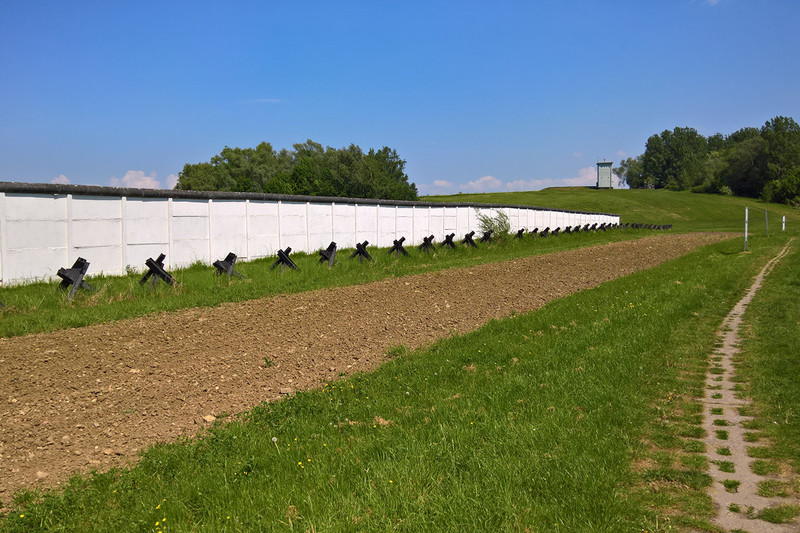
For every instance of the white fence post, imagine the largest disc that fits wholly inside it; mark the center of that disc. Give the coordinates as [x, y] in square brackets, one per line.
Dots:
[746, 220]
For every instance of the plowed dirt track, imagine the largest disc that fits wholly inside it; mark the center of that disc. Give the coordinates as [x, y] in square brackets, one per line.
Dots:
[92, 397]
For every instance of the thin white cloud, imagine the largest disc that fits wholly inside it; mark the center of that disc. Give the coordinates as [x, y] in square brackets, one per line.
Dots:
[61, 180]
[484, 184]
[137, 179]
[172, 181]
[584, 177]
[713, 2]
[621, 153]
[577, 155]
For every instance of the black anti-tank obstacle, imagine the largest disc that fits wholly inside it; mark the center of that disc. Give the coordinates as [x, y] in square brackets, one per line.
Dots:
[74, 276]
[487, 236]
[284, 260]
[545, 232]
[328, 254]
[535, 232]
[468, 239]
[448, 241]
[398, 247]
[361, 252]
[155, 270]
[520, 233]
[427, 244]
[227, 266]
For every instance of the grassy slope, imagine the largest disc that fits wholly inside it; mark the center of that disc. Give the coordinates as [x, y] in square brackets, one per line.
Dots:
[530, 423]
[545, 442]
[685, 210]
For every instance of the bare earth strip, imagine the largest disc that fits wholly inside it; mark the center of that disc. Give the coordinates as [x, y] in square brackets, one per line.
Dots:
[721, 395]
[92, 397]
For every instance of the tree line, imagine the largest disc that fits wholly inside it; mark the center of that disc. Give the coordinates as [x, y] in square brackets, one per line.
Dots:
[307, 169]
[755, 162]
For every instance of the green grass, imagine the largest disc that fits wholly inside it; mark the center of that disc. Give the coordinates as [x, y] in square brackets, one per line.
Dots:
[41, 306]
[780, 514]
[771, 365]
[497, 430]
[685, 210]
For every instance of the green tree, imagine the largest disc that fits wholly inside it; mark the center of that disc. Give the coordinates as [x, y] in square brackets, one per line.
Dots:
[307, 169]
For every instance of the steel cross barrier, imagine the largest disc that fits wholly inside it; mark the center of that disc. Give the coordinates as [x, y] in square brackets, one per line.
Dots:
[328, 254]
[427, 244]
[227, 266]
[155, 271]
[448, 241]
[398, 247]
[74, 276]
[361, 252]
[284, 260]
[468, 239]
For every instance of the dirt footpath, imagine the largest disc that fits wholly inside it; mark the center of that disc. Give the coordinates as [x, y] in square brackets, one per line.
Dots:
[92, 397]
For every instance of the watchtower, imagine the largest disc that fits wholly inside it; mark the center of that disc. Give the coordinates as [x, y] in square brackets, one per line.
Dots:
[604, 180]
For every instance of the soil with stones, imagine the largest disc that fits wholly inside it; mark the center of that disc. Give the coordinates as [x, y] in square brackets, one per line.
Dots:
[92, 397]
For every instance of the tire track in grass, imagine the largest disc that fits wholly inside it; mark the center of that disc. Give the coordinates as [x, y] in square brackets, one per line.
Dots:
[735, 487]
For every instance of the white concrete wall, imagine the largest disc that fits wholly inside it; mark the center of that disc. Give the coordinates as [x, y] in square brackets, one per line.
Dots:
[40, 233]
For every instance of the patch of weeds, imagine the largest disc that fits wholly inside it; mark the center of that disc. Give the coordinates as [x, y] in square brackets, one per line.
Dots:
[725, 466]
[694, 480]
[714, 387]
[752, 424]
[746, 410]
[723, 450]
[716, 410]
[717, 395]
[734, 508]
[780, 514]
[751, 437]
[716, 371]
[720, 422]
[764, 468]
[760, 452]
[731, 485]
[398, 351]
[693, 432]
[695, 462]
[771, 488]
[722, 434]
[694, 446]
[267, 362]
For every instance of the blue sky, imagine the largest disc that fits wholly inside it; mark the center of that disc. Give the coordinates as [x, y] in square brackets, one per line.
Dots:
[475, 96]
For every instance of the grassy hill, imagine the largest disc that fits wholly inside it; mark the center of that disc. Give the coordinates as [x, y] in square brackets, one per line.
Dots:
[685, 210]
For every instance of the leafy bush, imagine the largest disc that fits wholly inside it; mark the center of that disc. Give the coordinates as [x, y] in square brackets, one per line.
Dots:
[499, 225]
